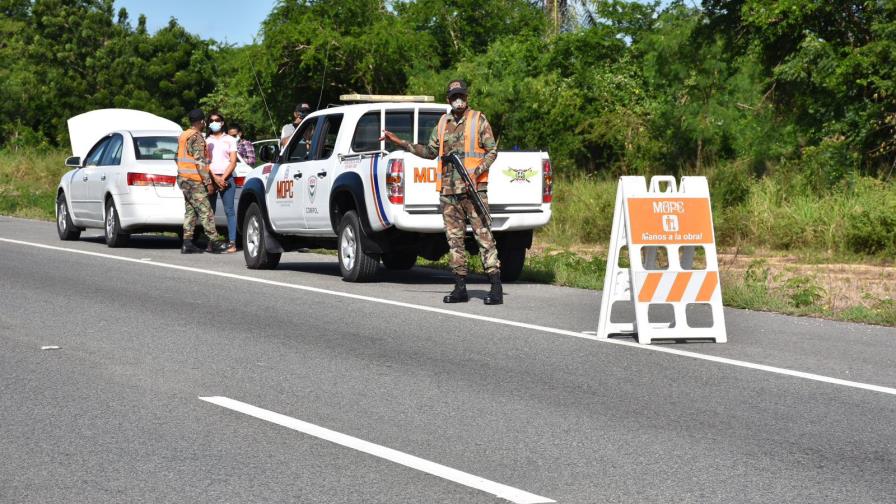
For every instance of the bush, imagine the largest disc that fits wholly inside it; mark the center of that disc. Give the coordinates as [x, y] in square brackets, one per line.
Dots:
[872, 221]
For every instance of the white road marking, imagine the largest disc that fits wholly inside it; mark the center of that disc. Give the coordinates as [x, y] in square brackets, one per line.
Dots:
[512, 323]
[502, 491]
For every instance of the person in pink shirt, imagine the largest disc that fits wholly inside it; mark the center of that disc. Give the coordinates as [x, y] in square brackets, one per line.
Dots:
[222, 153]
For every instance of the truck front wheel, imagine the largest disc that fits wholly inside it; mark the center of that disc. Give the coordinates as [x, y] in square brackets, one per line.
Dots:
[512, 260]
[254, 235]
[354, 263]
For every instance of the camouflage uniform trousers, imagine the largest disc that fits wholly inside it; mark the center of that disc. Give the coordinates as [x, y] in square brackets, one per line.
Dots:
[196, 205]
[456, 209]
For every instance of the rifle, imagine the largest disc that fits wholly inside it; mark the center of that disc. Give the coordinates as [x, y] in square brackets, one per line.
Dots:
[454, 160]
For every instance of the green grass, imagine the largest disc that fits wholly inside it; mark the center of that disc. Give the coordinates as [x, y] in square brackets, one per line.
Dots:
[28, 181]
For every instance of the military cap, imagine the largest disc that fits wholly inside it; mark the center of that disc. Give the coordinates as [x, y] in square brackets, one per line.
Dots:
[457, 87]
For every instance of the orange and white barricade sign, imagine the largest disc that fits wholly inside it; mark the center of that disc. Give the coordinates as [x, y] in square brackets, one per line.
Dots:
[673, 269]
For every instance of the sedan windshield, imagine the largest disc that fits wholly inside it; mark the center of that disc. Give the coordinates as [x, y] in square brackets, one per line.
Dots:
[155, 147]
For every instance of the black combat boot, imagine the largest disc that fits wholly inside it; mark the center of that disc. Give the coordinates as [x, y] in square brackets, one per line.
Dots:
[496, 295]
[459, 294]
[189, 247]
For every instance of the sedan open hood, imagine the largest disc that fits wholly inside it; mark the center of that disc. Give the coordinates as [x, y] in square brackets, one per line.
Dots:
[85, 129]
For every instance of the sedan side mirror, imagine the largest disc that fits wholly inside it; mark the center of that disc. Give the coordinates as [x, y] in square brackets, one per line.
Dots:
[73, 162]
[267, 153]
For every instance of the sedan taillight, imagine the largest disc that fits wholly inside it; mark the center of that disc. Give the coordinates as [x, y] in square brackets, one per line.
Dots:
[150, 179]
[395, 181]
[239, 181]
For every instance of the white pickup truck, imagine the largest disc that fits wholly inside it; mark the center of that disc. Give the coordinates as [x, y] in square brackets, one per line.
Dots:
[336, 186]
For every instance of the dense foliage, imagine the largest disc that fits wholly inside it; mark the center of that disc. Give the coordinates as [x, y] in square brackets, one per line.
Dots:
[734, 88]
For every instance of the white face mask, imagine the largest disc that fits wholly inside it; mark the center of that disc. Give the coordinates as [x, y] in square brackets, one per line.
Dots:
[458, 103]
[215, 127]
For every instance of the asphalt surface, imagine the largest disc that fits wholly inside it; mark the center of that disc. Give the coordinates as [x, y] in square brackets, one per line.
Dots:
[114, 415]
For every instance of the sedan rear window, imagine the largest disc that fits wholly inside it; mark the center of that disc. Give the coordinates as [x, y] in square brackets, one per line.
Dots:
[155, 147]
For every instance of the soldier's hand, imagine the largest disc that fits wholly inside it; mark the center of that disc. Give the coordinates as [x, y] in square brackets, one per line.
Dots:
[388, 135]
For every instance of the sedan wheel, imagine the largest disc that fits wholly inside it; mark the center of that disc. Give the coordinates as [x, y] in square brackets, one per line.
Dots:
[115, 237]
[64, 225]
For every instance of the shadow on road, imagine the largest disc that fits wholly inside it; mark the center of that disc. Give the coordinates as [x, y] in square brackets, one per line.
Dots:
[141, 242]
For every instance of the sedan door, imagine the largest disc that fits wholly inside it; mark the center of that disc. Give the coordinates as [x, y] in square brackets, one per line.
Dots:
[107, 171]
[83, 207]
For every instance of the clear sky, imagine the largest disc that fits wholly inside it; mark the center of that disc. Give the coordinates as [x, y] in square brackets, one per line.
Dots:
[232, 21]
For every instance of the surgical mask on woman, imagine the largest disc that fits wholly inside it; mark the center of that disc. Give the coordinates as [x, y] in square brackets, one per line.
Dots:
[215, 127]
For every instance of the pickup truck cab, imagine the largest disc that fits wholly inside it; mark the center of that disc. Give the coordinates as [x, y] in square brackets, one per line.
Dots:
[335, 185]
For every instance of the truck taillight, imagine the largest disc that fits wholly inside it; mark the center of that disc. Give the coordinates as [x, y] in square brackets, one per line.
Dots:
[547, 181]
[239, 181]
[149, 179]
[395, 181]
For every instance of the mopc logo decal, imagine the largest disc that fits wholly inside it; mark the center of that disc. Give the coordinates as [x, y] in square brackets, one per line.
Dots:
[519, 176]
[284, 189]
[312, 188]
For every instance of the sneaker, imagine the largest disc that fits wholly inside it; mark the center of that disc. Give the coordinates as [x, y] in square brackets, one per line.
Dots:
[216, 247]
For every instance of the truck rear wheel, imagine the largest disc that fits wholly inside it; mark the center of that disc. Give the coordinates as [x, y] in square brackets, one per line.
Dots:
[512, 260]
[354, 263]
[402, 260]
[254, 235]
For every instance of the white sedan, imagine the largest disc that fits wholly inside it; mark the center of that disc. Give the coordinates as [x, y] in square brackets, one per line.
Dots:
[123, 177]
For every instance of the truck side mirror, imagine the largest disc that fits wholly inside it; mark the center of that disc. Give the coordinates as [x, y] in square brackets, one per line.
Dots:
[73, 162]
[267, 153]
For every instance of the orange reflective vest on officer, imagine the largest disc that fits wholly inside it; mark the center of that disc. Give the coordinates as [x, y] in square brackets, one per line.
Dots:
[473, 151]
[187, 165]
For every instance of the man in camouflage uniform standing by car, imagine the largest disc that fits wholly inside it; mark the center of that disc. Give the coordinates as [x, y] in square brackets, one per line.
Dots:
[196, 181]
[467, 133]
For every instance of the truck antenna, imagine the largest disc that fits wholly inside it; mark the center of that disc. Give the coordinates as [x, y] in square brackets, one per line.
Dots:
[323, 76]
[263, 99]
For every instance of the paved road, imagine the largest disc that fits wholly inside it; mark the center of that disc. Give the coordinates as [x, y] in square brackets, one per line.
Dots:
[115, 415]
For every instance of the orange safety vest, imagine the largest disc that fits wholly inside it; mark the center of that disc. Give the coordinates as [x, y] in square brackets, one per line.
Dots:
[187, 165]
[473, 152]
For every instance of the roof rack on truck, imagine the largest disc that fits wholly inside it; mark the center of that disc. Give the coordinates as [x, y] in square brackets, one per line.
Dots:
[365, 98]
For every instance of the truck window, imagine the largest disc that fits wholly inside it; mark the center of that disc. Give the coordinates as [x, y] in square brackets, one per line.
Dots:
[300, 145]
[367, 133]
[426, 123]
[402, 124]
[327, 138]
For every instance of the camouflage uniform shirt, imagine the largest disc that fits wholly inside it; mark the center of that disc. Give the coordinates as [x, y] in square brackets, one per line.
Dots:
[454, 142]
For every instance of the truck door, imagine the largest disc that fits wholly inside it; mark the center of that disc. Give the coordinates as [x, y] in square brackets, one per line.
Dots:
[318, 175]
[285, 194]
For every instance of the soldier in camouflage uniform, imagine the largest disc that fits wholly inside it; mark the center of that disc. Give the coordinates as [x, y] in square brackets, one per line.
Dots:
[196, 181]
[456, 206]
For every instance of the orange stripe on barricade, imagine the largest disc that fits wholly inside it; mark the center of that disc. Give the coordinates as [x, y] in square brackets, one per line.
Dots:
[649, 288]
[678, 287]
[708, 287]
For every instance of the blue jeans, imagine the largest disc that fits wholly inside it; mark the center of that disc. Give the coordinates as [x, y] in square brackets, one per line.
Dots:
[227, 197]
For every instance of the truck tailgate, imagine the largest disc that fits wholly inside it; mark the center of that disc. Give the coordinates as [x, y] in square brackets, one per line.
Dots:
[514, 181]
